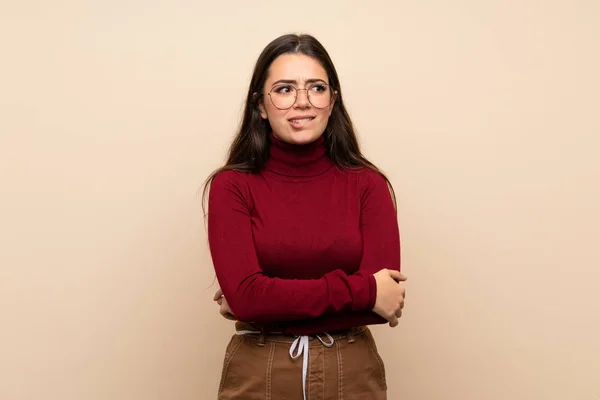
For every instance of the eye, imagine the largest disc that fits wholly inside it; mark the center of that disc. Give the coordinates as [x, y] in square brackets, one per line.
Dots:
[318, 88]
[283, 89]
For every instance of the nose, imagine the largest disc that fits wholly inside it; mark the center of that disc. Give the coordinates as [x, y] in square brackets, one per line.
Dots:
[302, 99]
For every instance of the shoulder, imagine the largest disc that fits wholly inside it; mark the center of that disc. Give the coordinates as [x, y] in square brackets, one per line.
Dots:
[227, 177]
[229, 182]
[368, 179]
[372, 186]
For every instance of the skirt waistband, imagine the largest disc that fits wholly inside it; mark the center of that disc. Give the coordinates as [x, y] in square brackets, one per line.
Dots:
[264, 334]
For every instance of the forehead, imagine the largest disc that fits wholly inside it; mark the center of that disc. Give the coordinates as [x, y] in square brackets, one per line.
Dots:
[298, 67]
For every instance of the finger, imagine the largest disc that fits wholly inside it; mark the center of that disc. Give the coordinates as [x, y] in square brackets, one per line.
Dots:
[396, 275]
[225, 306]
[399, 313]
[225, 314]
[230, 316]
[218, 294]
[393, 321]
[223, 310]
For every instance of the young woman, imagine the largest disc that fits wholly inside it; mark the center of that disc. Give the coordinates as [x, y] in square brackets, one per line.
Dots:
[304, 239]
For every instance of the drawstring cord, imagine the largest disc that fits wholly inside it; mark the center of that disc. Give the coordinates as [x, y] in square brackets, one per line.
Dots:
[302, 343]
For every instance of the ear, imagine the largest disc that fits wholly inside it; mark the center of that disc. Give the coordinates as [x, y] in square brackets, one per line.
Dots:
[333, 102]
[261, 106]
[263, 111]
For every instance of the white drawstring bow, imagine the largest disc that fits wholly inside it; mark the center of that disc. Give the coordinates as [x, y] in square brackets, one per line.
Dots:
[302, 343]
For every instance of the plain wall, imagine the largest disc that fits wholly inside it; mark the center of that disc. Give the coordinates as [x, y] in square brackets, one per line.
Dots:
[485, 115]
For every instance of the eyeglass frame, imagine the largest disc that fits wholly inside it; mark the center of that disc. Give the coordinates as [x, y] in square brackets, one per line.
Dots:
[334, 95]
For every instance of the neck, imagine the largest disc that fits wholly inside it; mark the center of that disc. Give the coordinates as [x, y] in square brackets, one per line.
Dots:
[298, 160]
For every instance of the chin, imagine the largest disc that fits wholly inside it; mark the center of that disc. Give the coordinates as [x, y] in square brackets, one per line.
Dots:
[300, 137]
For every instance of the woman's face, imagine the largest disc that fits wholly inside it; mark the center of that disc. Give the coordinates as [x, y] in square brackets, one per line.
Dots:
[304, 121]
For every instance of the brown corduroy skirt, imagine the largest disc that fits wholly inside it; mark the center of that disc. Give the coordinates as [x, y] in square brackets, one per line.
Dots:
[341, 366]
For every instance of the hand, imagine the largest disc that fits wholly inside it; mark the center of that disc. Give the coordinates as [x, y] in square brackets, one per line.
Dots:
[224, 308]
[390, 295]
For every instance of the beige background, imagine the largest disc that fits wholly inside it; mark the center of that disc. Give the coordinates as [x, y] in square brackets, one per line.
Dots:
[484, 114]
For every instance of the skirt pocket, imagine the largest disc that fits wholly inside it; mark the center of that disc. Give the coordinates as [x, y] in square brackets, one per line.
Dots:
[362, 373]
[232, 348]
[377, 357]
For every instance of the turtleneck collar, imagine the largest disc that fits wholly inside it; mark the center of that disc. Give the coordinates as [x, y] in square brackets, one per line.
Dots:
[298, 160]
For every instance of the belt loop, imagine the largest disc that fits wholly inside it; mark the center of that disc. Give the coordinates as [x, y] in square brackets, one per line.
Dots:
[261, 338]
[350, 335]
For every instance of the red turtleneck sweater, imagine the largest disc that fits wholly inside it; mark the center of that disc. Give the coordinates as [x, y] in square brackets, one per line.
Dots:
[295, 246]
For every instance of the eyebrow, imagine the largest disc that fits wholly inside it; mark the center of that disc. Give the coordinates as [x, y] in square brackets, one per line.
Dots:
[313, 80]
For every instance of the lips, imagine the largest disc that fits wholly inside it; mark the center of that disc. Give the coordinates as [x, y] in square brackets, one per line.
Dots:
[301, 121]
[302, 118]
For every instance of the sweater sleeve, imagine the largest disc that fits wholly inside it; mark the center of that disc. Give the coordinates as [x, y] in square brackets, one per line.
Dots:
[379, 228]
[255, 297]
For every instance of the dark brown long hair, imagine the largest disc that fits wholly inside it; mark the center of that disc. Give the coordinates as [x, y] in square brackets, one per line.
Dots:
[249, 150]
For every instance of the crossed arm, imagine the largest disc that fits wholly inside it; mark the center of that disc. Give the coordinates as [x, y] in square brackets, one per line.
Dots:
[247, 294]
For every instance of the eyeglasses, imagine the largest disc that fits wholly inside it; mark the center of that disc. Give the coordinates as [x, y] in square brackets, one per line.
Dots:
[319, 95]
